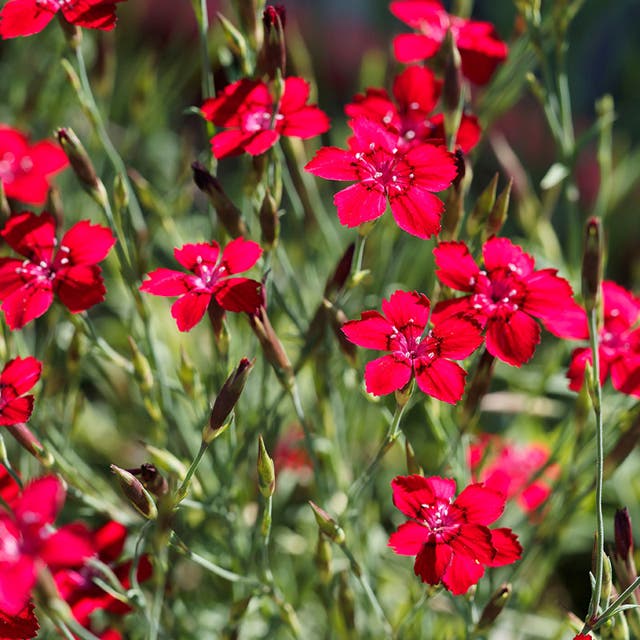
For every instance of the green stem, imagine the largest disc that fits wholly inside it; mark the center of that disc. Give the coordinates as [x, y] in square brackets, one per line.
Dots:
[358, 255]
[184, 487]
[367, 475]
[611, 610]
[597, 408]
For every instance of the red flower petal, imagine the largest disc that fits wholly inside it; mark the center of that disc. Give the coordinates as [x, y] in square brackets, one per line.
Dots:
[189, 309]
[434, 168]
[80, 288]
[413, 47]
[85, 243]
[16, 582]
[21, 374]
[411, 492]
[625, 374]
[440, 378]
[357, 204]
[372, 331]
[620, 304]
[47, 157]
[30, 235]
[109, 540]
[165, 282]
[229, 143]
[240, 255]
[513, 339]
[192, 255]
[22, 626]
[501, 253]
[333, 164]
[367, 133]
[481, 50]
[69, 546]
[260, 142]
[27, 303]
[432, 562]
[40, 503]
[16, 410]
[480, 504]
[409, 539]
[240, 295]
[224, 109]
[407, 310]
[457, 337]
[462, 573]
[101, 16]
[507, 547]
[456, 267]
[387, 374]
[23, 18]
[305, 123]
[417, 211]
[416, 89]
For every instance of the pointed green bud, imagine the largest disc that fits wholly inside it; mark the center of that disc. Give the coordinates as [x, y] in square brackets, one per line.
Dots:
[404, 395]
[338, 279]
[25, 438]
[187, 372]
[266, 470]
[151, 478]
[269, 221]
[607, 581]
[327, 524]
[323, 558]
[120, 193]
[227, 400]
[483, 207]
[54, 205]
[494, 607]
[236, 41]
[272, 57]
[346, 600]
[592, 263]
[413, 466]
[172, 466]
[141, 367]
[498, 215]
[82, 165]
[138, 497]
[451, 89]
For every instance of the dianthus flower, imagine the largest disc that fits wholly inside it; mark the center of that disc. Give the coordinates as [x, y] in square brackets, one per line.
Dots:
[416, 92]
[28, 542]
[255, 123]
[451, 538]
[383, 170]
[509, 468]
[428, 357]
[82, 594]
[208, 281]
[506, 296]
[25, 169]
[68, 270]
[18, 376]
[26, 17]
[619, 343]
[481, 49]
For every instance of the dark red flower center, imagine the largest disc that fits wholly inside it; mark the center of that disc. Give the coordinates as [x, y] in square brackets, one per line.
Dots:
[500, 293]
[389, 172]
[438, 518]
[206, 275]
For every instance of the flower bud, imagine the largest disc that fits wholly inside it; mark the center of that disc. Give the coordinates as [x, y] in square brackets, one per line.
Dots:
[25, 438]
[120, 193]
[451, 89]
[346, 600]
[141, 367]
[323, 558]
[493, 608]
[483, 207]
[336, 282]
[413, 466]
[272, 57]
[498, 215]
[169, 464]
[151, 478]
[592, 263]
[266, 470]
[623, 533]
[54, 205]
[229, 215]
[5, 209]
[187, 373]
[337, 320]
[139, 498]
[269, 221]
[235, 40]
[82, 165]
[248, 11]
[328, 525]
[227, 399]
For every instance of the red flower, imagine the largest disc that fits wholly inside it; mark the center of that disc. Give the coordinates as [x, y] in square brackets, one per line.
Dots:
[28, 542]
[481, 49]
[506, 296]
[428, 357]
[619, 343]
[416, 92]
[209, 280]
[25, 169]
[18, 376]
[451, 538]
[384, 170]
[509, 468]
[255, 122]
[21, 626]
[69, 271]
[26, 17]
[77, 588]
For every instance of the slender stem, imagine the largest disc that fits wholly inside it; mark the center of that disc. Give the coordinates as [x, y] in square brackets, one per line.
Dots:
[265, 530]
[184, 487]
[597, 408]
[358, 255]
[367, 475]
[202, 16]
[612, 608]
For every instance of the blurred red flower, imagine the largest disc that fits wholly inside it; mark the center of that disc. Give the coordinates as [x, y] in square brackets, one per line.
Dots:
[481, 49]
[25, 169]
[69, 271]
[21, 626]
[400, 330]
[18, 376]
[416, 92]
[506, 296]
[407, 177]
[29, 542]
[26, 17]
[209, 280]
[255, 123]
[451, 538]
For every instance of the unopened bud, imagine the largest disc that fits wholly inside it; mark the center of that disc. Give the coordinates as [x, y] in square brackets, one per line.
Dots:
[346, 600]
[187, 373]
[592, 263]
[269, 221]
[54, 205]
[337, 320]
[25, 438]
[82, 165]
[493, 608]
[483, 207]
[266, 470]
[229, 215]
[151, 478]
[607, 581]
[120, 193]
[328, 525]
[235, 40]
[337, 280]
[623, 533]
[452, 88]
[323, 558]
[272, 57]
[169, 464]
[498, 215]
[227, 399]
[404, 395]
[139, 498]
[413, 466]
[141, 367]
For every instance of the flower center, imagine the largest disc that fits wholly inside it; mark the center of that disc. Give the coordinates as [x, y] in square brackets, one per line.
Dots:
[436, 516]
[54, 5]
[207, 274]
[501, 292]
[257, 121]
[389, 172]
[37, 273]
